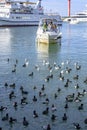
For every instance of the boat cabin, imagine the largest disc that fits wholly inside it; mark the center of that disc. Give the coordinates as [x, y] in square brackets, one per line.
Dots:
[49, 24]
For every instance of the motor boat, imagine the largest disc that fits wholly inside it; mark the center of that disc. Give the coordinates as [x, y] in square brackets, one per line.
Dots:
[78, 17]
[48, 31]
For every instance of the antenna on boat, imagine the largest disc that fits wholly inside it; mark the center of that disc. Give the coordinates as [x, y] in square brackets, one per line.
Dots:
[39, 6]
[39, 3]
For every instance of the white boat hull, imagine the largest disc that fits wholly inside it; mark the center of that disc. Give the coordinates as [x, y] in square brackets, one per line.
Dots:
[32, 20]
[74, 21]
[47, 38]
[4, 23]
[78, 19]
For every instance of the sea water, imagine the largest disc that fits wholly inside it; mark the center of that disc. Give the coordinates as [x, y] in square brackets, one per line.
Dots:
[18, 47]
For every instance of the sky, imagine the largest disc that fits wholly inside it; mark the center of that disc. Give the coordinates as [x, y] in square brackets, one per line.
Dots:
[61, 6]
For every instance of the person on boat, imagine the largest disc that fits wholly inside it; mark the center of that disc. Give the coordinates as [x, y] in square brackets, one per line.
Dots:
[45, 26]
[52, 27]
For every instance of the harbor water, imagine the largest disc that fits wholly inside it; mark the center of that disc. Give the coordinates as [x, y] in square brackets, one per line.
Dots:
[20, 55]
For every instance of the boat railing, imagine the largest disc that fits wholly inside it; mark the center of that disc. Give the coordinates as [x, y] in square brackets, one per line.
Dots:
[48, 13]
[13, 12]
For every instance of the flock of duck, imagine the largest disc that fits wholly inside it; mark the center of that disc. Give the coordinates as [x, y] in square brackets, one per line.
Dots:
[53, 101]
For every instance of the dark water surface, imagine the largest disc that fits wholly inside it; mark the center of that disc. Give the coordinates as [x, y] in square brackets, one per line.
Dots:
[18, 43]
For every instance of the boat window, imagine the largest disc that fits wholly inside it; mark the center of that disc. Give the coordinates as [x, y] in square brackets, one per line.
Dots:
[17, 17]
[12, 17]
[2, 6]
[81, 14]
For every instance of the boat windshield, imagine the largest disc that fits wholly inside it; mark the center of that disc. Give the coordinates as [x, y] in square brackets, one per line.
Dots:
[54, 21]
